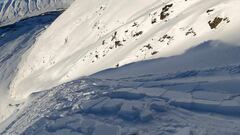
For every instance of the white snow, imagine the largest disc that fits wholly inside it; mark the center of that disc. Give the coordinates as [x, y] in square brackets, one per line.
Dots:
[133, 67]
[15, 40]
[11, 11]
[95, 35]
[149, 101]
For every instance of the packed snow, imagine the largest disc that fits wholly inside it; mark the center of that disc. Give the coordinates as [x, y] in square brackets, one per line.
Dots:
[95, 35]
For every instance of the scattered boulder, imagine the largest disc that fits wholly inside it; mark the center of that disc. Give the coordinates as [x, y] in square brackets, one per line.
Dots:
[138, 34]
[164, 13]
[210, 10]
[155, 52]
[154, 20]
[213, 24]
[191, 31]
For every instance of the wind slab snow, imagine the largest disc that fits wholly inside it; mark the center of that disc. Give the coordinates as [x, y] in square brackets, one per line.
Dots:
[190, 98]
[193, 90]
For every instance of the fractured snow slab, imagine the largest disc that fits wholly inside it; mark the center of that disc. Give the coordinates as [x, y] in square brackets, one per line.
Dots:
[176, 95]
[106, 130]
[210, 95]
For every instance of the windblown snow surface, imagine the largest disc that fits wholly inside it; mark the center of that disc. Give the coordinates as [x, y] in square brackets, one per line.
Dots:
[138, 67]
[12, 11]
[196, 93]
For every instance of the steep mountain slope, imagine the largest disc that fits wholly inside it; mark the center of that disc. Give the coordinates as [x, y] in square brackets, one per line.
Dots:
[95, 35]
[14, 41]
[196, 93]
[12, 11]
[208, 55]
[155, 77]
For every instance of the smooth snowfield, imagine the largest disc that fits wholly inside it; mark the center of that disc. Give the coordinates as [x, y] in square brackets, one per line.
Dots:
[11, 11]
[196, 93]
[95, 35]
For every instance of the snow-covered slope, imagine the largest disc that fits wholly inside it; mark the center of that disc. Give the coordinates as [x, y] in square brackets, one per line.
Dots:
[196, 93]
[12, 11]
[208, 55]
[14, 41]
[95, 35]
